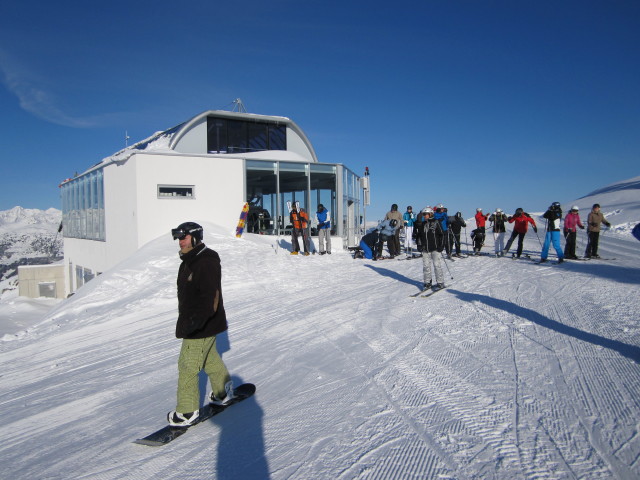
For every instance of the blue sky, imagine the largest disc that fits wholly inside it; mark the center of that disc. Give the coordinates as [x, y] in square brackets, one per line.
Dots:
[468, 103]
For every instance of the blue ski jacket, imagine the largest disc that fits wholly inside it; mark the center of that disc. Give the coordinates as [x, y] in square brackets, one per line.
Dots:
[408, 219]
[443, 218]
[324, 218]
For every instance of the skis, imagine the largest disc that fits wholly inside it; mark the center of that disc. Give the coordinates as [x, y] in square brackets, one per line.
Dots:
[428, 292]
[170, 433]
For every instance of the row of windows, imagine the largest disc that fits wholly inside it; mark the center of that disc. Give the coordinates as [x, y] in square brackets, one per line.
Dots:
[240, 136]
[83, 207]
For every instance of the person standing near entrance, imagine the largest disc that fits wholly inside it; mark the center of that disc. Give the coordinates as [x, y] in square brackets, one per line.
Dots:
[299, 221]
[201, 317]
[324, 230]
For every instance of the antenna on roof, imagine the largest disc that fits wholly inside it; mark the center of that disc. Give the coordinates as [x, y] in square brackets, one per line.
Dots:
[126, 139]
[239, 105]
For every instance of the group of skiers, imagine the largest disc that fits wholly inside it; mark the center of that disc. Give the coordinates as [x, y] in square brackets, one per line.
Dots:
[435, 233]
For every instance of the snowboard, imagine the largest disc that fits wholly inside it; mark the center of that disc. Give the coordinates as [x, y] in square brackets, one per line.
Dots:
[243, 220]
[169, 433]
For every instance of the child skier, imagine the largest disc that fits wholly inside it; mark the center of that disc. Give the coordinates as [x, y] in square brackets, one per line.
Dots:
[477, 235]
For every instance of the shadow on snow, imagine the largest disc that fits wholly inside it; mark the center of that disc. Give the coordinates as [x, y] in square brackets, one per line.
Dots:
[629, 351]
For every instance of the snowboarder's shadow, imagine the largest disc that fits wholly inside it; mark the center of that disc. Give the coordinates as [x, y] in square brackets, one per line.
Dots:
[395, 275]
[241, 450]
[629, 351]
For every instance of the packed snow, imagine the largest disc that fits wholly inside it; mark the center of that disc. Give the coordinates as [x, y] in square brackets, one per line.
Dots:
[516, 371]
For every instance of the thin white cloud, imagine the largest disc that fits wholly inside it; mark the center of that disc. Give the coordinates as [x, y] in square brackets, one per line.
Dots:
[34, 99]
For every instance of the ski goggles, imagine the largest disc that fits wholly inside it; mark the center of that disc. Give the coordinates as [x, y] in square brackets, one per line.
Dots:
[179, 233]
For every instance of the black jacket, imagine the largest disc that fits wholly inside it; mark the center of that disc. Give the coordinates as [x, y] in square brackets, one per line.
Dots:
[553, 217]
[456, 224]
[430, 235]
[499, 222]
[198, 282]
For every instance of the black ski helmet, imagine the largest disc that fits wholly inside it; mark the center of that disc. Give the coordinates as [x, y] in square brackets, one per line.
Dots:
[188, 228]
[394, 207]
[458, 214]
[393, 222]
[555, 206]
[519, 211]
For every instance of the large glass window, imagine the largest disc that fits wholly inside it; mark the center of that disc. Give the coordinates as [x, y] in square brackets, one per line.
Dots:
[226, 135]
[323, 191]
[83, 206]
[262, 191]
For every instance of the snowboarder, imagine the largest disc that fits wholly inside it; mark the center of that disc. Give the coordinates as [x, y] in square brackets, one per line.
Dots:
[553, 216]
[499, 221]
[521, 220]
[324, 230]
[571, 222]
[478, 234]
[408, 219]
[432, 243]
[299, 222]
[594, 220]
[456, 224]
[393, 243]
[201, 317]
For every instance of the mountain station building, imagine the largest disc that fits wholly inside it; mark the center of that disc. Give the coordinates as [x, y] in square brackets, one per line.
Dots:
[204, 169]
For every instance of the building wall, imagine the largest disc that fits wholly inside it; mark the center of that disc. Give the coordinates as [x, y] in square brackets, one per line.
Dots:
[134, 215]
[31, 276]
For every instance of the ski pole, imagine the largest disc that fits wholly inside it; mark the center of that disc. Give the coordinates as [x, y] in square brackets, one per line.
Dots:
[445, 264]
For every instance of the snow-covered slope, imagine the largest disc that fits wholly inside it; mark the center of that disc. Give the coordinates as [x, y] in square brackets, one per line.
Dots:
[620, 203]
[517, 371]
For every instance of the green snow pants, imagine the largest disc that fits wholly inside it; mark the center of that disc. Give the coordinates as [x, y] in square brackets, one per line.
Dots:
[196, 355]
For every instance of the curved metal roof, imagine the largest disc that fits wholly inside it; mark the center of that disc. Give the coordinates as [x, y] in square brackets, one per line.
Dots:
[184, 128]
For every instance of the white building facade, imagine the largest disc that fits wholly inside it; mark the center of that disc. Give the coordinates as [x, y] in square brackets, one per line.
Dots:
[202, 170]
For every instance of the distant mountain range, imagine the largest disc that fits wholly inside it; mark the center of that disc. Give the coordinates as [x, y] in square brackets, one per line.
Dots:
[27, 237]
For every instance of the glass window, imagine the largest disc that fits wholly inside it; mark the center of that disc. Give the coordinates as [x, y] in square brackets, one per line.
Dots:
[176, 191]
[258, 134]
[277, 137]
[237, 135]
[216, 135]
[83, 207]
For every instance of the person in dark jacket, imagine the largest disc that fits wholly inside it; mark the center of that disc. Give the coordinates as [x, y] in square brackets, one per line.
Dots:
[456, 224]
[201, 316]
[594, 220]
[431, 243]
[553, 216]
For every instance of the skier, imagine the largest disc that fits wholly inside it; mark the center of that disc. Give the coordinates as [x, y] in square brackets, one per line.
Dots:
[553, 216]
[499, 221]
[594, 220]
[440, 214]
[522, 220]
[299, 222]
[373, 242]
[571, 222]
[408, 219]
[324, 230]
[394, 242]
[636, 231]
[456, 224]
[201, 317]
[388, 230]
[478, 234]
[432, 243]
